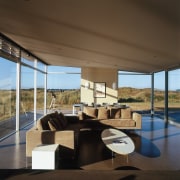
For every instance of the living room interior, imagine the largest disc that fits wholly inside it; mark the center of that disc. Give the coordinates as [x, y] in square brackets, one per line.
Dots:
[101, 38]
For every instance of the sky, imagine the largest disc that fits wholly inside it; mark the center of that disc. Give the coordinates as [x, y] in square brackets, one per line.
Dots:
[69, 78]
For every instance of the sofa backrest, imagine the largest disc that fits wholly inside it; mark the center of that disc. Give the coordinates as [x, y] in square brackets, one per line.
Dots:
[107, 113]
[52, 121]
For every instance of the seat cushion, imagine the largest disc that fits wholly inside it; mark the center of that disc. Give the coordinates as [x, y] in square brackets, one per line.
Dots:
[119, 123]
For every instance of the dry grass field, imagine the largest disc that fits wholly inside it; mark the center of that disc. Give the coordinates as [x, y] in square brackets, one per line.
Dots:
[137, 99]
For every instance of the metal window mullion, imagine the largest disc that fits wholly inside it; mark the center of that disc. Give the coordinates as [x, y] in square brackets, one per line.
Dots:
[152, 94]
[35, 90]
[166, 97]
[45, 90]
[18, 87]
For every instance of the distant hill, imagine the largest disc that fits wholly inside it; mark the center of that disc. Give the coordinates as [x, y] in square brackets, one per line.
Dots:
[129, 94]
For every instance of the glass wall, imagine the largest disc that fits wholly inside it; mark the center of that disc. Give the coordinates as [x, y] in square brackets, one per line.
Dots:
[134, 90]
[159, 93]
[174, 96]
[22, 81]
[27, 96]
[64, 82]
[7, 97]
[40, 94]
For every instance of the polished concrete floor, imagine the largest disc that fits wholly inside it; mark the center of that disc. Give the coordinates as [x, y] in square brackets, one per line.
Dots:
[157, 147]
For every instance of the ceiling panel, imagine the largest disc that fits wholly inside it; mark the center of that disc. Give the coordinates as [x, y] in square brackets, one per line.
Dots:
[132, 35]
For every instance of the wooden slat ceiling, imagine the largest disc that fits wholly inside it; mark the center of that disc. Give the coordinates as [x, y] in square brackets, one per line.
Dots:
[131, 35]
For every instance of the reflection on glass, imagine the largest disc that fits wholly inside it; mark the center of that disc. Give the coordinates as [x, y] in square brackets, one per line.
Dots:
[27, 96]
[7, 97]
[174, 96]
[159, 93]
[40, 94]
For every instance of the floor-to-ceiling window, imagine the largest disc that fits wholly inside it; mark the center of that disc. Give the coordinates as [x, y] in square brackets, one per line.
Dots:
[40, 94]
[22, 87]
[64, 82]
[134, 90]
[7, 96]
[32, 89]
[27, 96]
[174, 96]
[159, 93]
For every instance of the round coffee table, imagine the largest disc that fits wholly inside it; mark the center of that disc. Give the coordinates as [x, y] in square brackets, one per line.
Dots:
[117, 142]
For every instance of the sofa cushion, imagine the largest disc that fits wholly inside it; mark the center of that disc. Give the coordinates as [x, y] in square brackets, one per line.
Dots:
[115, 113]
[63, 120]
[58, 118]
[126, 113]
[52, 125]
[91, 112]
[119, 123]
[42, 123]
[103, 113]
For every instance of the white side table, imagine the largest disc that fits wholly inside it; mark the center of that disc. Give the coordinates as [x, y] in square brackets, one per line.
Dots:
[45, 156]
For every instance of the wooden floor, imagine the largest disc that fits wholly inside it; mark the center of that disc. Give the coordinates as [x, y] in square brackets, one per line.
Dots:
[157, 147]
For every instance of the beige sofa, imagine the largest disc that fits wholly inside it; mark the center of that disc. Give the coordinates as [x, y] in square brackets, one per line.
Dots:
[55, 128]
[120, 118]
[52, 128]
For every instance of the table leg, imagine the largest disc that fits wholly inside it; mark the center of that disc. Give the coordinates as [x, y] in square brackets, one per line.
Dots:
[113, 154]
[127, 158]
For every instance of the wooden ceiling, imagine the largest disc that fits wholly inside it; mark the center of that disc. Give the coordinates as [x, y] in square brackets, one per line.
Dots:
[130, 35]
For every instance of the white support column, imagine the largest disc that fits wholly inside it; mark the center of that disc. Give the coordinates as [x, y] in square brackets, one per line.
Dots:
[18, 87]
[35, 90]
[45, 91]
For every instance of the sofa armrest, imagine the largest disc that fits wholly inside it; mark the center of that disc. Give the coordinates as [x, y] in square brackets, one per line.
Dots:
[80, 115]
[138, 118]
[36, 137]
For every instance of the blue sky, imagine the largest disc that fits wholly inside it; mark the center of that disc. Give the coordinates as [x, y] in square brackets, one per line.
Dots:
[63, 78]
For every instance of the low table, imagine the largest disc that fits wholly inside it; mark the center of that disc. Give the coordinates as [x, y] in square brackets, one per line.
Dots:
[45, 156]
[117, 142]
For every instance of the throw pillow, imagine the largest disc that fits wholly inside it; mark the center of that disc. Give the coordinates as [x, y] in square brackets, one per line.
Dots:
[115, 113]
[103, 113]
[91, 112]
[52, 125]
[126, 113]
[63, 120]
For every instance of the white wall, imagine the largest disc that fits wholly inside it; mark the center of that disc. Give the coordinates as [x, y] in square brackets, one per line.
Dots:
[93, 75]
